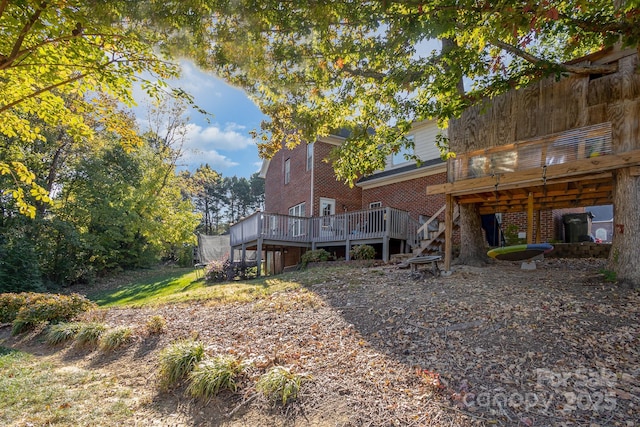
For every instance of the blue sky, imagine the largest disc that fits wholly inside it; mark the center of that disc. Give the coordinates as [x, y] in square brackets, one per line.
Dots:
[224, 141]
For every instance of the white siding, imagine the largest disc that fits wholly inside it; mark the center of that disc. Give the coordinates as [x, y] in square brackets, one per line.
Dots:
[425, 141]
[424, 134]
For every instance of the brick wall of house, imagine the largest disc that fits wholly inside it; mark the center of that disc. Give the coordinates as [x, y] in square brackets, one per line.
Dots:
[410, 196]
[551, 229]
[279, 197]
[327, 185]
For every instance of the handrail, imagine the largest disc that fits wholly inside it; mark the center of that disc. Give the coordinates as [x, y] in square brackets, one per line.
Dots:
[423, 228]
[559, 148]
[355, 225]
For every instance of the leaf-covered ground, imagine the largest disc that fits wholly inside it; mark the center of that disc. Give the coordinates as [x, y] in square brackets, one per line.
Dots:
[486, 346]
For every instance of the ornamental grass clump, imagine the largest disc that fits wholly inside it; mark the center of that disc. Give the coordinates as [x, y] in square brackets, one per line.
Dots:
[156, 325]
[279, 384]
[89, 334]
[213, 375]
[116, 338]
[62, 332]
[177, 360]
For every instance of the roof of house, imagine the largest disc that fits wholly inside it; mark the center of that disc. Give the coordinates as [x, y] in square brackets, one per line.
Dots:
[396, 171]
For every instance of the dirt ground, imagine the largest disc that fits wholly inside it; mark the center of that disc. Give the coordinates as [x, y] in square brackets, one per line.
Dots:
[496, 345]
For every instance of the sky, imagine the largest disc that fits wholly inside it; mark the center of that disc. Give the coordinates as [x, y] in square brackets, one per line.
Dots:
[223, 141]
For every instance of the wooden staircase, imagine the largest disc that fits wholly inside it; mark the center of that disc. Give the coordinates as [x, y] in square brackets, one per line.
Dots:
[433, 232]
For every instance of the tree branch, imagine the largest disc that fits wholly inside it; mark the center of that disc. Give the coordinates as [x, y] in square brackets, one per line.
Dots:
[53, 86]
[23, 33]
[576, 69]
[3, 6]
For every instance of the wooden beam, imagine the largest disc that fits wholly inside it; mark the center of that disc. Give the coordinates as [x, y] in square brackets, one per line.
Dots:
[448, 232]
[530, 219]
[489, 209]
[576, 168]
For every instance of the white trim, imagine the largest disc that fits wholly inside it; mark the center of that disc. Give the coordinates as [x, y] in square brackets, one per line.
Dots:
[329, 201]
[264, 168]
[287, 170]
[332, 139]
[404, 176]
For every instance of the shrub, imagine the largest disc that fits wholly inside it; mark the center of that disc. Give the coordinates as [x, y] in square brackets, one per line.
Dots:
[62, 332]
[213, 375]
[116, 338]
[224, 270]
[10, 304]
[177, 360]
[318, 255]
[363, 252]
[52, 308]
[280, 384]
[89, 334]
[156, 324]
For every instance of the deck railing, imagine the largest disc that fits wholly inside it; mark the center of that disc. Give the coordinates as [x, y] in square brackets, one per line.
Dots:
[358, 225]
[563, 147]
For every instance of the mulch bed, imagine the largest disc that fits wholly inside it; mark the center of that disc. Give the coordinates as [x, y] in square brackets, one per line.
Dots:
[485, 346]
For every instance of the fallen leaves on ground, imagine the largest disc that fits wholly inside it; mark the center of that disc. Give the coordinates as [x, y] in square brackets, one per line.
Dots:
[485, 346]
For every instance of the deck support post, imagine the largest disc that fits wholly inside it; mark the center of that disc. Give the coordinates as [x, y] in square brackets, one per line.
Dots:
[448, 232]
[347, 250]
[385, 249]
[530, 219]
[259, 258]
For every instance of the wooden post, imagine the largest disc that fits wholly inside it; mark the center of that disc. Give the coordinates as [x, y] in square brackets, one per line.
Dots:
[530, 218]
[386, 223]
[259, 257]
[538, 227]
[448, 232]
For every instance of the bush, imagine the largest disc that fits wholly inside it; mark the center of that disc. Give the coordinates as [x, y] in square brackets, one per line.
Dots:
[177, 360]
[224, 270]
[52, 308]
[62, 332]
[318, 255]
[89, 334]
[213, 375]
[10, 304]
[116, 338]
[363, 252]
[156, 324]
[280, 384]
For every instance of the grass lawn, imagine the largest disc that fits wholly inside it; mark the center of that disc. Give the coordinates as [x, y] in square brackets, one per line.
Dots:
[182, 285]
[34, 391]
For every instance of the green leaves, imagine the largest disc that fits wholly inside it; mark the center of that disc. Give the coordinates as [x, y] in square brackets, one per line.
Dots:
[317, 67]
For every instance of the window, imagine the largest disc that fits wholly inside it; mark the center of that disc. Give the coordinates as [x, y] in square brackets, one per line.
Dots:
[399, 157]
[297, 226]
[309, 156]
[374, 205]
[287, 171]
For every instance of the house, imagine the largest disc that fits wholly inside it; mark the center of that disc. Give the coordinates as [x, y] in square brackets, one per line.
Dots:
[307, 208]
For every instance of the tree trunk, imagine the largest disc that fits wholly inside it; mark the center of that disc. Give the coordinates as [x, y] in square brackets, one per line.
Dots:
[473, 250]
[623, 259]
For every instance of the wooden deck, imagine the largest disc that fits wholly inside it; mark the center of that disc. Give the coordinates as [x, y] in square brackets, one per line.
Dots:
[379, 225]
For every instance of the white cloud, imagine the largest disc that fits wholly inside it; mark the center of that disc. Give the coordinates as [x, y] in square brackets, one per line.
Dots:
[194, 81]
[209, 144]
[192, 159]
[215, 137]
